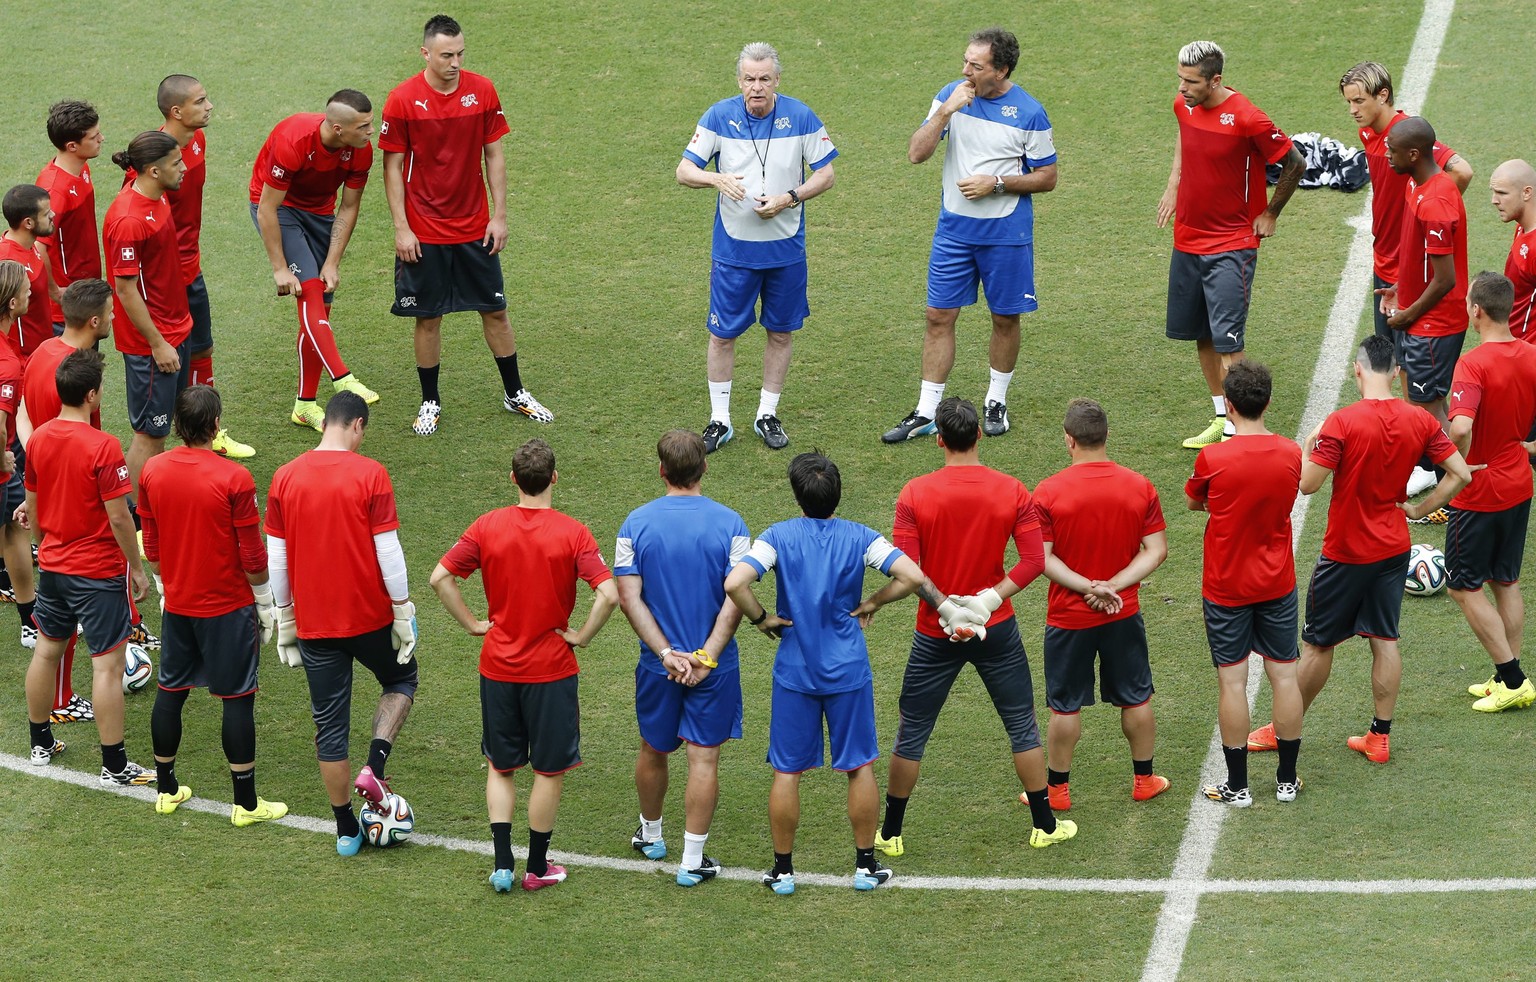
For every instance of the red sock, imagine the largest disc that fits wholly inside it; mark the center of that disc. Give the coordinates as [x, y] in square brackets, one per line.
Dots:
[315, 321]
[201, 372]
[64, 689]
[309, 368]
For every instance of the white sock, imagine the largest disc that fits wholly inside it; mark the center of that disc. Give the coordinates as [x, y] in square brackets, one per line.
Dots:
[767, 404]
[650, 831]
[929, 398]
[693, 850]
[1228, 429]
[720, 402]
[1220, 403]
[998, 390]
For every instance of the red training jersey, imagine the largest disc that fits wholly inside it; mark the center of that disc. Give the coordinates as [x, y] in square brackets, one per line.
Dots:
[1249, 486]
[1434, 224]
[1495, 386]
[1095, 515]
[187, 204]
[1222, 155]
[10, 399]
[39, 387]
[293, 160]
[74, 250]
[328, 505]
[1389, 192]
[1371, 447]
[956, 523]
[191, 502]
[529, 560]
[443, 137]
[36, 325]
[139, 237]
[74, 469]
[1520, 267]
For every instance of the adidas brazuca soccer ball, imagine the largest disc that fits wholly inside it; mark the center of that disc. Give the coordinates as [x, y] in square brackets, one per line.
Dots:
[137, 668]
[389, 822]
[1426, 571]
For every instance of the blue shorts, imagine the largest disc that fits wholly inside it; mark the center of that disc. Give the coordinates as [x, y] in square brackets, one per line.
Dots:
[705, 715]
[794, 729]
[1005, 272]
[735, 290]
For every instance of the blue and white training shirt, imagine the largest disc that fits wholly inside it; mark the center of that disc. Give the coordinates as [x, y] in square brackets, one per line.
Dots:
[771, 154]
[682, 547]
[1003, 136]
[819, 564]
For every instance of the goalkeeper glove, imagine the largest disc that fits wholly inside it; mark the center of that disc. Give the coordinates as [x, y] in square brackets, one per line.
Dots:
[982, 606]
[266, 611]
[403, 633]
[160, 589]
[288, 638]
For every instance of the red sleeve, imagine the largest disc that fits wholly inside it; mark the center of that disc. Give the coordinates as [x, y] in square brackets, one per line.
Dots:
[122, 241]
[283, 159]
[112, 472]
[1439, 227]
[1043, 517]
[1027, 539]
[1198, 487]
[242, 501]
[1153, 521]
[1443, 154]
[151, 530]
[1330, 446]
[1266, 137]
[274, 512]
[381, 504]
[1437, 446]
[253, 548]
[394, 131]
[464, 558]
[495, 120]
[904, 532]
[362, 162]
[1466, 391]
[10, 393]
[589, 561]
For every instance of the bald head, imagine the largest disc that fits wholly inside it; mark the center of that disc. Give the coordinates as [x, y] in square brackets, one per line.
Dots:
[1515, 173]
[1513, 186]
[1413, 133]
[175, 90]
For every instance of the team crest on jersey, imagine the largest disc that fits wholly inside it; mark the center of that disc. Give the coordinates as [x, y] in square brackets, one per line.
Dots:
[1525, 250]
[782, 123]
[1012, 112]
[127, 254]
[384, 127]
[122, 473]
[1228, 119]
[346, 155]
[278, 172]
[197, 150]
[469, 100]
[7, 391]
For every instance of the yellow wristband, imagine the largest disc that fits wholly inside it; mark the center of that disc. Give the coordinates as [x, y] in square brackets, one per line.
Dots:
[705, 660]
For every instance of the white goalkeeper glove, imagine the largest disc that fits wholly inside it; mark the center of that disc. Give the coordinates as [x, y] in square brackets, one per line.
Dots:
[160, 589]
[288, 638]
[404, 633]
[266, 610]
[981, 606]
[953, 613]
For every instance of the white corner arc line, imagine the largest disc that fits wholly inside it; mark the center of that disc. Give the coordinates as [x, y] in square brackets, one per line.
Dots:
[986, 884]
[1203, 829]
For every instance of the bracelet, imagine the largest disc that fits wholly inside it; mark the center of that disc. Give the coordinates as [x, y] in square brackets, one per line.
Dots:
[663, 653]
[794, 198]
[705, 660]
[760, 618]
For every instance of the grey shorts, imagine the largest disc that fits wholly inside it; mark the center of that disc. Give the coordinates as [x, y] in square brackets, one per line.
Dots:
[1268, 628]
[101, 607]
[1208, 297]
[1428, 364]
[1125, 673]
[328, 667]
[931, 671]
[201, 337]
[221, 653]
[152, 393]
[306, 241]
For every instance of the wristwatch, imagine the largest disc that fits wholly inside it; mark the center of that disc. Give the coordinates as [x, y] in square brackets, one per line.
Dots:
[998, 188]
[794, 199]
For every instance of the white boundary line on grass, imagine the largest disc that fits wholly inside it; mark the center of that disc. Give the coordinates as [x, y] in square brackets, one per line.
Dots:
[1203, 830]
[994, 884]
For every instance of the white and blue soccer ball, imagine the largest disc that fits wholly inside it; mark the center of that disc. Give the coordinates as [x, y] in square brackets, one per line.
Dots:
[1426, 571]
[137, 668]
[388, 823]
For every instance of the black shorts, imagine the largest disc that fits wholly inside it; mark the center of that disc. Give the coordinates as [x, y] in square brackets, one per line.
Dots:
[201, 337]
[306, 242]
[328, 668]
[101, 607]
[931, 670]
[1268, 628]
[220, 652]
[1379, 320]
[449, 278]
[1125, 673]
[1208, 297]
[1349, 599]
[14, 491]
[1485, 545]
[530, 721]
[152, 393]
[1428, 364]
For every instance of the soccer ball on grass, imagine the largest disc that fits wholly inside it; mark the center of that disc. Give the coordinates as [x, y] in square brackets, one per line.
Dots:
[1426, 571]
[389, 822]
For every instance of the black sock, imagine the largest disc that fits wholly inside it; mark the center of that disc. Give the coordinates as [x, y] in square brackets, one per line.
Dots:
[864, 858]
[245, 788]
[5, 578]
[895, 814]
[42, 734]
[1382, 726]
[165, 777]
[511, 379]
[378, 753]
[25, 610]
[133, 512]
[1289, 749]
[428, 377]
[1040, 813]
[784, 862]
[501, 840]
[346, 822]
[114, 758]
[1142, 768]
[538, 852]
[1056, 777]
[1511, 674]
[1237, 766]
